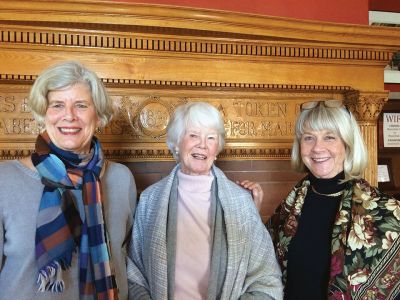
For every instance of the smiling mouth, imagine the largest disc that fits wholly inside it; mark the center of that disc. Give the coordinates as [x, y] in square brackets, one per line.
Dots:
[320, 160]
[69, 130]
[199, 156]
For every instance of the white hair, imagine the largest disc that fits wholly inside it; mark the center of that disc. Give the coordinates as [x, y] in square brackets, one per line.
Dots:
[198, 114]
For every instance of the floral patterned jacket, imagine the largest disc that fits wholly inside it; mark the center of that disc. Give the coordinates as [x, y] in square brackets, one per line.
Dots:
[365, 261]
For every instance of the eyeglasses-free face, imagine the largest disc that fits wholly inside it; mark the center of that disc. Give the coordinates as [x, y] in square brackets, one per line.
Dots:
[198, 150]
[71, 118]
[326, 103]
[323, 152]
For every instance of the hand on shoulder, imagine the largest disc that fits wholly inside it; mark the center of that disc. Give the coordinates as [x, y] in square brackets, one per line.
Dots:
[256, 191]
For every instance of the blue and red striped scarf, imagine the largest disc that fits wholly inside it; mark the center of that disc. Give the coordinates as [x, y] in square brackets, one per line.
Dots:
[70, 217]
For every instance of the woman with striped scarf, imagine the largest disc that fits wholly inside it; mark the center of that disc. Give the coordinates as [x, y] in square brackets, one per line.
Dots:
[65, 212]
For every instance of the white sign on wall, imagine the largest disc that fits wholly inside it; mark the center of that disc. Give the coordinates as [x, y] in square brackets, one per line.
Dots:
[391, 130]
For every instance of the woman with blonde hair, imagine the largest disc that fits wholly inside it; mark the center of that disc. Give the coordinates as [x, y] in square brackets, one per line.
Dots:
[66, 212]
[336, 236]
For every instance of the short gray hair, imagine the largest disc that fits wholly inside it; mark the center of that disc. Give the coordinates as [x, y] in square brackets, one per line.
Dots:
[340, 121]
[67, 74]
[199, 114]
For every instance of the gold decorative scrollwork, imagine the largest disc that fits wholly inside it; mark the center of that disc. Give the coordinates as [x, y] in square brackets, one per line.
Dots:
[366, 106]
[153, 117]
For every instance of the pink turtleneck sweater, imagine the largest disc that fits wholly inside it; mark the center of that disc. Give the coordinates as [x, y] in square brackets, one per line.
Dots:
[193, 239]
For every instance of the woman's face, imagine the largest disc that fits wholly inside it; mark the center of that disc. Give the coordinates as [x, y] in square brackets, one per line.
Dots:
[323, 153]
[197, 150]
[71, 118]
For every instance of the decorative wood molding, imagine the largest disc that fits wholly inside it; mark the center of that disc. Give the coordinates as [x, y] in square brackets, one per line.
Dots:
[26, 35]
[153, 57]
[113, 15]
[259, 119]
[138, 83]
[366, 107]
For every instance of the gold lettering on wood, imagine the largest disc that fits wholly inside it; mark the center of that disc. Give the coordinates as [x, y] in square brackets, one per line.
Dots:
[7, 104]
[264, 119]
[17, 126]
[15, 116]
[260, 119]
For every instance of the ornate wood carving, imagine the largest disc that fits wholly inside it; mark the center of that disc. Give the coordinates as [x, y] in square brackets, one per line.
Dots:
[259, 122]
[255, 69]
[206, 45]
[366, 107]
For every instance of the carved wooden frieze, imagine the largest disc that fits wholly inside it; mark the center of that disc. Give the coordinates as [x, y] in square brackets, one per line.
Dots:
[184, 43]
[255, 69]
[259, 122]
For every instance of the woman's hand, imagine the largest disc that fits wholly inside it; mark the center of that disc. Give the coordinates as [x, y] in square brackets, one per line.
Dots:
[256, 191]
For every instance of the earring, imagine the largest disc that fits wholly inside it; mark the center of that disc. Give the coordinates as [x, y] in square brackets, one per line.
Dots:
[40, 127]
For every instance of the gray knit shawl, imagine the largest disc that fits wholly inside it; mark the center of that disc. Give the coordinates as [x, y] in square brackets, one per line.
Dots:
[218, 243]
[252, 270]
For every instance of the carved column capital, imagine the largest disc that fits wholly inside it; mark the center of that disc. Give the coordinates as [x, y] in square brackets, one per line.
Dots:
[366, 106]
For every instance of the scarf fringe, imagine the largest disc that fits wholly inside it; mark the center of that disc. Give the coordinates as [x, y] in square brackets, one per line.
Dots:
[50, 278]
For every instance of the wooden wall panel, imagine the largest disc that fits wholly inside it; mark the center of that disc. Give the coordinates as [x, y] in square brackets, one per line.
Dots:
[255, 69]
[274, 176]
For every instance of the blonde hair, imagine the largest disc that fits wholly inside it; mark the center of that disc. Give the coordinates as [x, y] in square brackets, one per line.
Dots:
[67, 74]
[340, 121]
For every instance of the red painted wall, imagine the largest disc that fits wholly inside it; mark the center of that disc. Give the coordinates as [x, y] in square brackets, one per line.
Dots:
[339, 11]
[385, 5]
[393, 87]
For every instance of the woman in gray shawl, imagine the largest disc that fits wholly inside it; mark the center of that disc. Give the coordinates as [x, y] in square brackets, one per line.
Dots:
[198, 235]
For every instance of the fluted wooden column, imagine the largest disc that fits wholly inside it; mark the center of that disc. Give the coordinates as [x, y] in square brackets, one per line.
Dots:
[366, 107]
